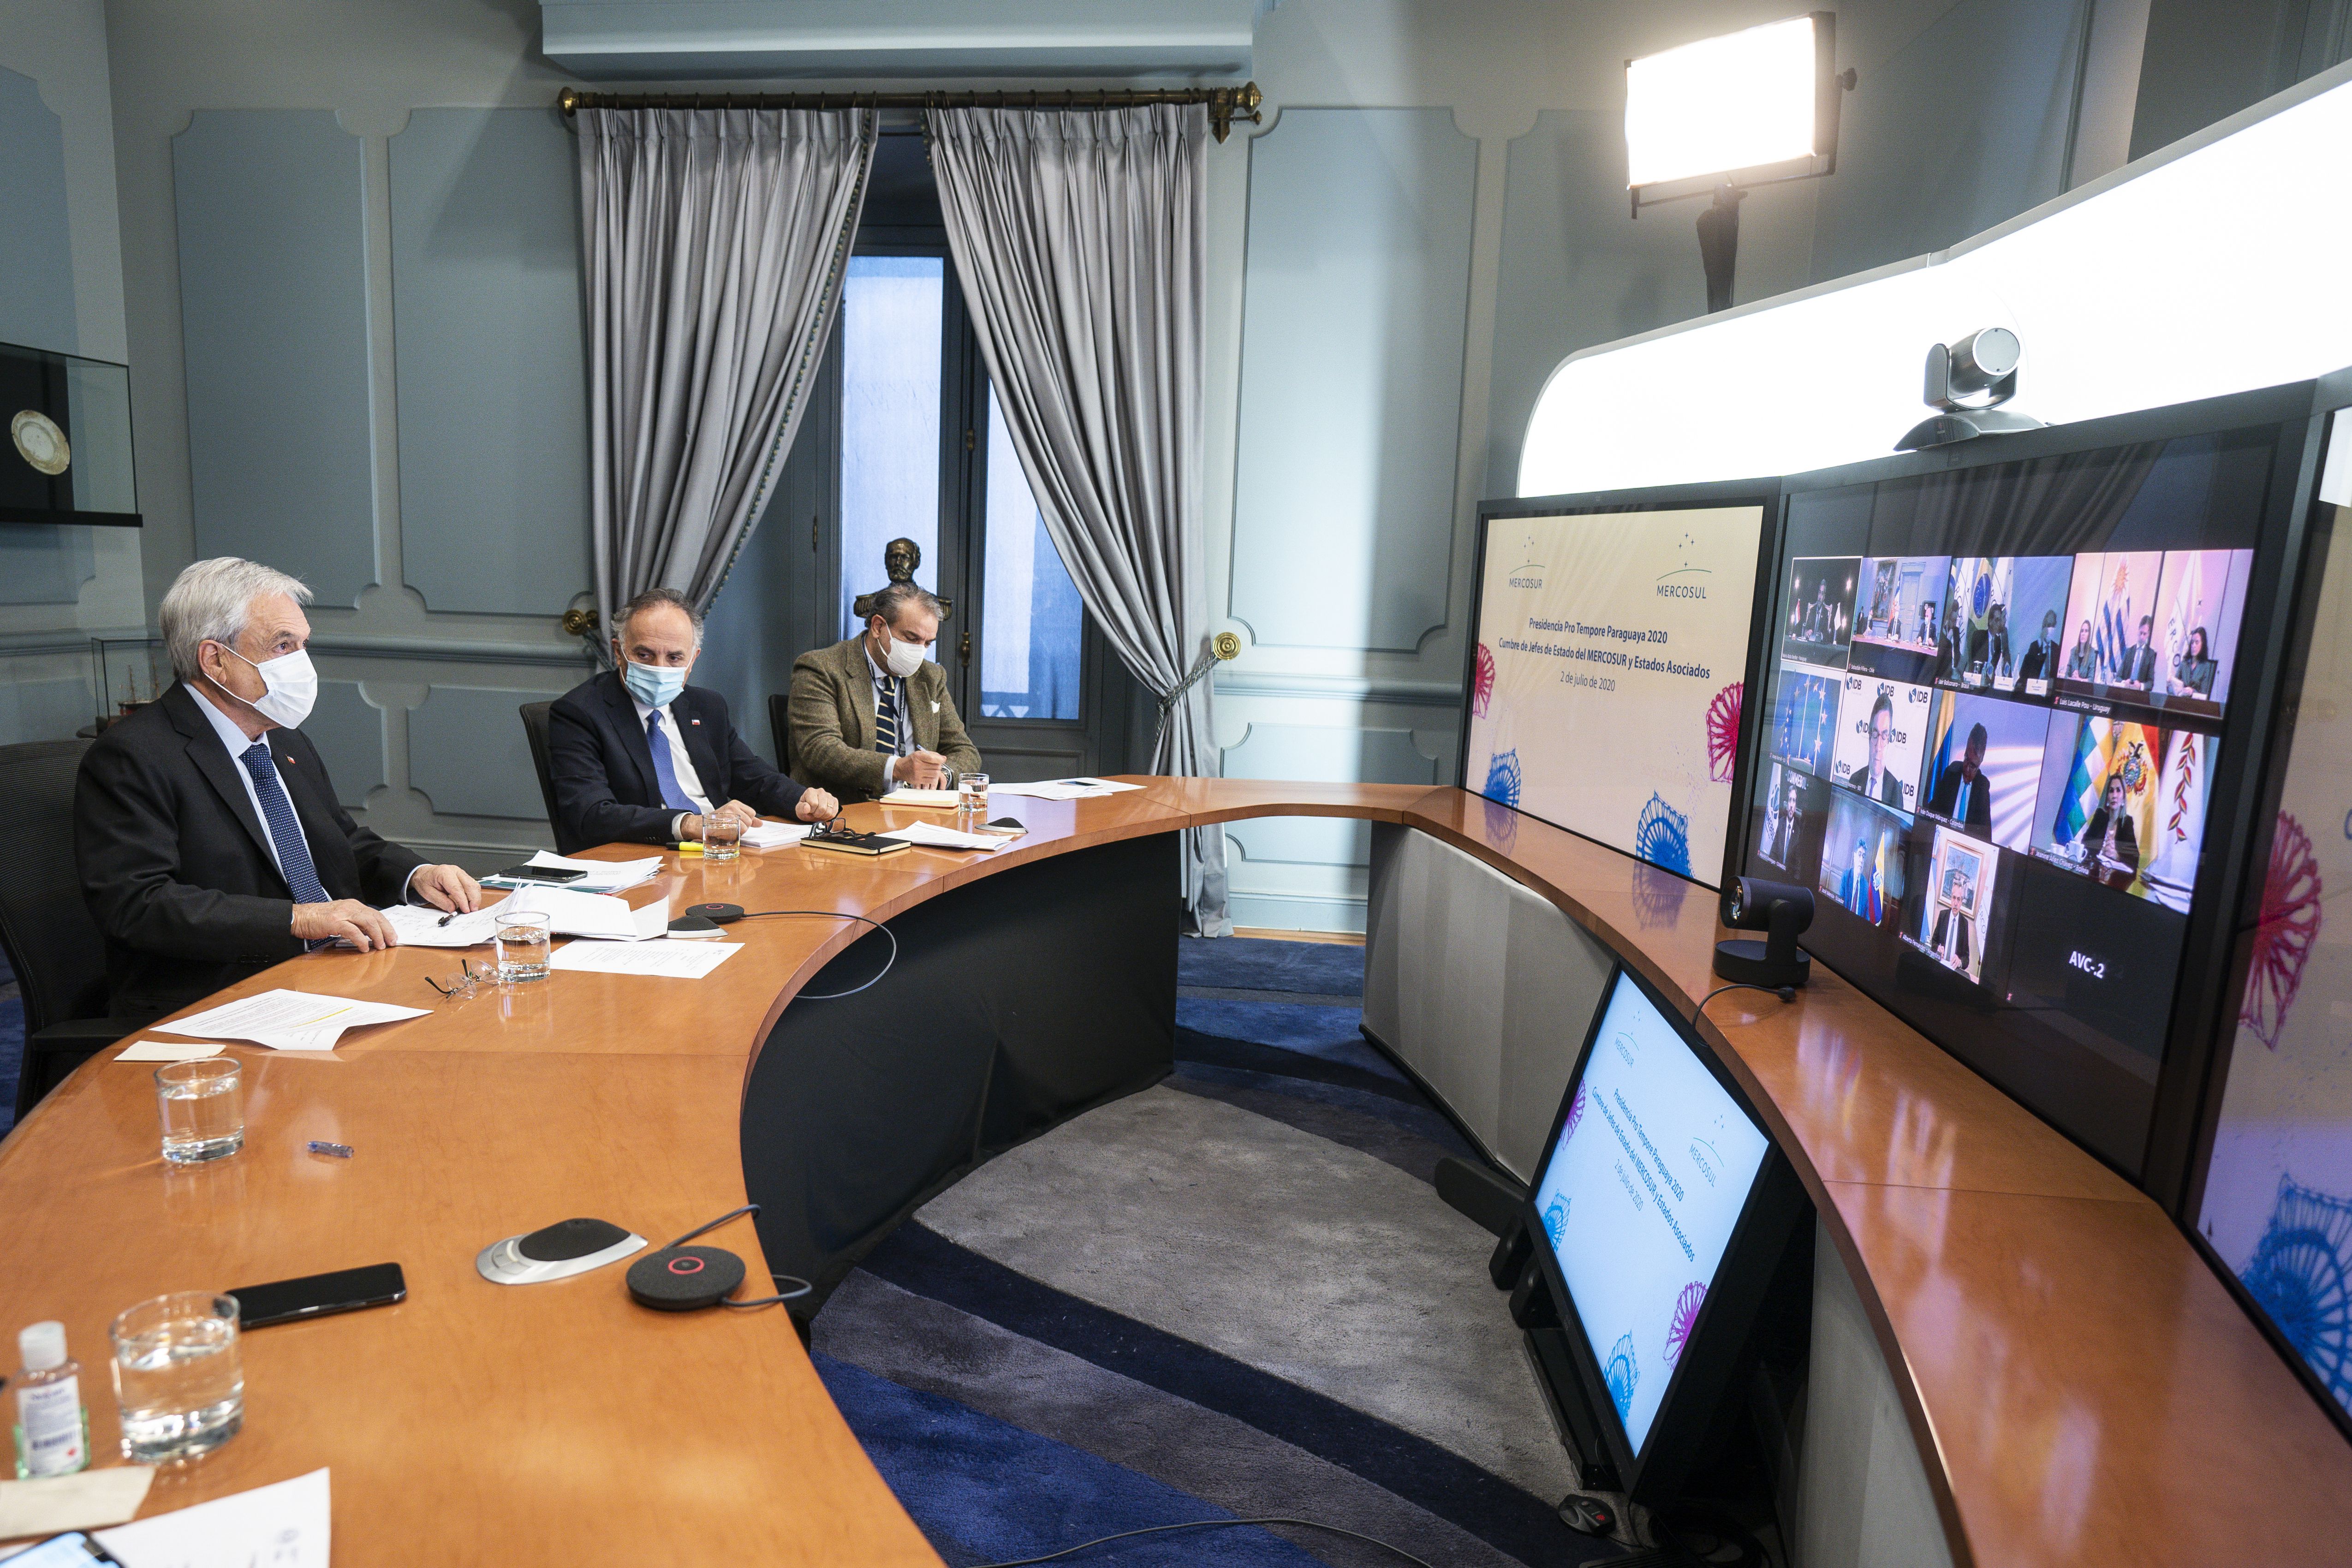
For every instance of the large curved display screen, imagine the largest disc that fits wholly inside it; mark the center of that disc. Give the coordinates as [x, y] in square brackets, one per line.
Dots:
[1649, 1172]
[1610, 661]
[2277, 1204]
[1997, 701]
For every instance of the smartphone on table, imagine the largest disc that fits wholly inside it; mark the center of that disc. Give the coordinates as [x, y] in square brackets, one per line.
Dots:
[320, 1295]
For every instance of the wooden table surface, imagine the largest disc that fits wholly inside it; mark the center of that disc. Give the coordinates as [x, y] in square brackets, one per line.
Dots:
[2083, 1389]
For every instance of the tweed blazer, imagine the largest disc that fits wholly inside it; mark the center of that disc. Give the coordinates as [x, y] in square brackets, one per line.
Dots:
[832, 719]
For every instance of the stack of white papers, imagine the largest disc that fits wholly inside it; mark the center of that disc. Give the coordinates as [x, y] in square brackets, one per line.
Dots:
[1063, 789]
[430, 928]
[289, 1020]
[602, 876]
[933, 836]
[668, 960]
[768, 835]
[902, 796]
[590, 915]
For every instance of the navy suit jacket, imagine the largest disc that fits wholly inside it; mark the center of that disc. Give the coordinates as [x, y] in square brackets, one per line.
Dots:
[606, 791]
[177, 869]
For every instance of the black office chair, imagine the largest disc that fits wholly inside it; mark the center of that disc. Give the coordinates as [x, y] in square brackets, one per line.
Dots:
[51, 941]
[534, 729]
[779, 721]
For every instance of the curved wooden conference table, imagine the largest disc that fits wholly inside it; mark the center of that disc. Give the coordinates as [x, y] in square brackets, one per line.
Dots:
[2082, 1388]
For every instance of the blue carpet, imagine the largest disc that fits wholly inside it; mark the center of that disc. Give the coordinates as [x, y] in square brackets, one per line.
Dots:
[1241, 964]
[984, 1490]
[1014, 1418]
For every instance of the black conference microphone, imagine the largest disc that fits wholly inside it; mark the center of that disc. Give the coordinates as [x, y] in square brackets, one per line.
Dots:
[1782, 911]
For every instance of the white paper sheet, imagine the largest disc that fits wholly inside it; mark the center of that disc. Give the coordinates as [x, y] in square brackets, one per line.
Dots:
[288, 1525]
[769, 834]
[289, 1020]
[82, 1501]
[602, 876]
[1064, 789]
[666, 960]
[165, 1051]
[423, 928]
[928, 797]
[598, 915]
[934, 836]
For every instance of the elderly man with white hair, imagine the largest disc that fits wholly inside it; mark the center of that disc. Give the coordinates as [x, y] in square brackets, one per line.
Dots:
[208, 835]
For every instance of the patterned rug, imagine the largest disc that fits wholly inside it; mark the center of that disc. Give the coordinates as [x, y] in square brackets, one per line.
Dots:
[1233, 1295]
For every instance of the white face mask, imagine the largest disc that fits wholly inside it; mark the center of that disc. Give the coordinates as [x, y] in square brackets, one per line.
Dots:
[289, 687]
[904, 659]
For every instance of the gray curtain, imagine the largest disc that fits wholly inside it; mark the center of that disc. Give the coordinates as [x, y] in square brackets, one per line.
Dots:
[716, 242]
[1079, 235]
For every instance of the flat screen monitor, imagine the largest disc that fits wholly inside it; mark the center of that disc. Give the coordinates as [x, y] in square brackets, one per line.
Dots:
[1999, 696]
[1609, 667]
[2276, 1206]
[1653, 1168]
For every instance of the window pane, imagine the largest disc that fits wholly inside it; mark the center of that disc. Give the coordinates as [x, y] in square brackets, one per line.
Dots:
[890, 309]
[1029, 656]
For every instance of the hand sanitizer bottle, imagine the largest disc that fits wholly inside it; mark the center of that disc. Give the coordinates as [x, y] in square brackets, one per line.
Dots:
[52, 1423]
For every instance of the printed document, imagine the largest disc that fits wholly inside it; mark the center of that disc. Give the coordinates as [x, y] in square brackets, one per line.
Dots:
[289, 1020]
[667, 960]
[288, 1525]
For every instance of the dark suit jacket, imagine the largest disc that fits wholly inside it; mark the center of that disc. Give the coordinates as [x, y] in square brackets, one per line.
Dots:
[2139, 666]
[176, 867]
[1890, 791]
[602, 765]
[1960, 947]
[1947, 793]
[832, 716]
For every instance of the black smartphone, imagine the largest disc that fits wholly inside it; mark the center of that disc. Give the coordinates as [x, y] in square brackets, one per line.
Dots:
[71, 1549]
[539, 874]
[319, 1295]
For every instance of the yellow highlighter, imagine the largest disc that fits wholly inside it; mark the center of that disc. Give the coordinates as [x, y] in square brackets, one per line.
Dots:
[689, 848]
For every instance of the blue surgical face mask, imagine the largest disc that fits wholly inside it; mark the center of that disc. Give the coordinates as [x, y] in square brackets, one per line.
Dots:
[655, 686]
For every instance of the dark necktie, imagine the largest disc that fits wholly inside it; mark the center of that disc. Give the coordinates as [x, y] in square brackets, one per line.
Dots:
[673, 794]
[885, 714]
[285, 831]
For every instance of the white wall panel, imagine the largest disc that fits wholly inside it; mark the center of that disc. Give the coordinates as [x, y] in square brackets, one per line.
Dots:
[1354, 304]
[490, 360]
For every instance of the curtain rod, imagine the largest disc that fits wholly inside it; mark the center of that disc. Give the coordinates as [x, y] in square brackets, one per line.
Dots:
[1226, 104]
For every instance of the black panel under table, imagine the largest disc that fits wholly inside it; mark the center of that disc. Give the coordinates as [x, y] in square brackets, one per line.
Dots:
[1017, 1001]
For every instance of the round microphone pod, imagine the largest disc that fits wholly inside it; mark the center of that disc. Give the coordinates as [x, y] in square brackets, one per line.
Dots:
[685, 1278]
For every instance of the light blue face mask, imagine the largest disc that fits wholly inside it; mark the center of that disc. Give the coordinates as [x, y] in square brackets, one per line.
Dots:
[655, 686]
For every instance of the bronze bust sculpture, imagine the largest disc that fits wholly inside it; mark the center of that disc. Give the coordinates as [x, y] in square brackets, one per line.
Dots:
[899, 558]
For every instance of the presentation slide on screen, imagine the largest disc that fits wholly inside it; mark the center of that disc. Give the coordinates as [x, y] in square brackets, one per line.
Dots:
[1653, 1165]
[1612, 648]
[2278, 1195]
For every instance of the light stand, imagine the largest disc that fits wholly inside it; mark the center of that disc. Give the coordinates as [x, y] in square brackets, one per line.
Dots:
[1718, 246]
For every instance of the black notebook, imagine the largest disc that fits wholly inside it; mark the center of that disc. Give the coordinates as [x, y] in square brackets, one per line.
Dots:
[848, 841]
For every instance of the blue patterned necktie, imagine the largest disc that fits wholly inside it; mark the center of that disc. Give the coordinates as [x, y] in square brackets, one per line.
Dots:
[673, 793]
[285, 831]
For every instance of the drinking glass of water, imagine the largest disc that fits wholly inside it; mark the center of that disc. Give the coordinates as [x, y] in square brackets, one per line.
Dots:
[972, 797]
[523, 943]
[202, 1106]
[722, 837]
[178, 1375]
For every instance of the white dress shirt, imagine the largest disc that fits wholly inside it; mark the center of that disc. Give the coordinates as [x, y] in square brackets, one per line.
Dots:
[687, 779]
[239, 743]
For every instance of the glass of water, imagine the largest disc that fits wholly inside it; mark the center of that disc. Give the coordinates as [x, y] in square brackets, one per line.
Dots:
[722, 837]
[202, 1106]
[178, 1376]
[972, 797]
[523, 943]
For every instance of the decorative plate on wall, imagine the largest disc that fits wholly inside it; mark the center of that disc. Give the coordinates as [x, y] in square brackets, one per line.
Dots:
[40, 443]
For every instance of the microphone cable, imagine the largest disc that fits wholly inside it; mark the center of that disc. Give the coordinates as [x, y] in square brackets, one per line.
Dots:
[759, 1302]
[834, 915]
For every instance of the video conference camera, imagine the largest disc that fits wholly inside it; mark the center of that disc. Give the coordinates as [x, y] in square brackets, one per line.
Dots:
[1781, 909]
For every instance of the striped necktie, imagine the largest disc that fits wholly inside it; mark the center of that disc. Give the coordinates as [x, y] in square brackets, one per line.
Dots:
[885, 714]
[285, 829]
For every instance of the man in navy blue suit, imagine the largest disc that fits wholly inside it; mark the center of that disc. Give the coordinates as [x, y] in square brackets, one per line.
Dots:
[636, 755]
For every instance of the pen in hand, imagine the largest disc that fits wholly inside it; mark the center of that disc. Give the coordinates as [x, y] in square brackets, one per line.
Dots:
[445, 919]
